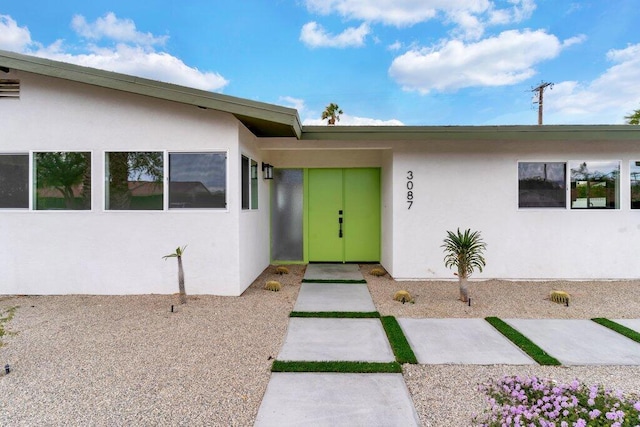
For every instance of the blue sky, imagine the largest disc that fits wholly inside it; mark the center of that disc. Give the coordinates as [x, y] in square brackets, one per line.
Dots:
[384, 62]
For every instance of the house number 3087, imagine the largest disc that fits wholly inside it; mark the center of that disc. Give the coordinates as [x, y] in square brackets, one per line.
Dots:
[409, 189]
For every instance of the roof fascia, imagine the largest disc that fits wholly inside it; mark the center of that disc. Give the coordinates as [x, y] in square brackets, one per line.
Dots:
[155, 89]
[492, 133]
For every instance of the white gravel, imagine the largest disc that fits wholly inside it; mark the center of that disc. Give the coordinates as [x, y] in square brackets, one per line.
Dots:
[127, 360]
[447, 395]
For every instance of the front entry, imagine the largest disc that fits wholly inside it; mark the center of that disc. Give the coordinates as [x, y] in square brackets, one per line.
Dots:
[344, 215]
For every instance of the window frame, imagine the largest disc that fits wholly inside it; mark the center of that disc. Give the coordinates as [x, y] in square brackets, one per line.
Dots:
[105, 180]
[33, 182]
[249, 185]
[632, 164]
[544, 208]
[617, 191]
[167, 208]
[27, 154]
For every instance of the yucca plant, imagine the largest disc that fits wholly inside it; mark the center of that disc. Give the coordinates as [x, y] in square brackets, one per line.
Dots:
[178, 254]
[463, 250]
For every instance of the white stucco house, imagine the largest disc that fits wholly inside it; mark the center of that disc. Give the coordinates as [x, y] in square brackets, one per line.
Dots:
[101, 174]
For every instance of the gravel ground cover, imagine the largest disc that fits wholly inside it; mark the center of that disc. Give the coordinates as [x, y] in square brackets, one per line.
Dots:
[447, 395]
[127, 360]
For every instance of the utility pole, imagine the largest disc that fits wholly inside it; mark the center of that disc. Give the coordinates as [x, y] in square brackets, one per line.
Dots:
[540, 91]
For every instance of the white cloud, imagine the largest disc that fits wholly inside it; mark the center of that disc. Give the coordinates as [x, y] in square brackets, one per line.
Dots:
[348, 120]
[111, 27]
[132, 54]
[13, 37]
[292, 102]
[314, 35]
[138, 61]
[469, 16]
[395, 46]
[606, 99]
[506, 59]
[573, 40]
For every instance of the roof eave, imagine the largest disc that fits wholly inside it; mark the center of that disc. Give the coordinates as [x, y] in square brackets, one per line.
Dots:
[267, 119]
[517, 132]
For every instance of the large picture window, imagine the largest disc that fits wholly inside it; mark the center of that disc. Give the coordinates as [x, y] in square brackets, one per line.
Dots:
[634, 171]
[134, 180]
[542, 185]
[197, 180]
[595, 185]
[62, 180]
[14, 181]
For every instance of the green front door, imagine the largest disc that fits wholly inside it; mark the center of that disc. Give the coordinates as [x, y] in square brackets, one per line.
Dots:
[344, 215]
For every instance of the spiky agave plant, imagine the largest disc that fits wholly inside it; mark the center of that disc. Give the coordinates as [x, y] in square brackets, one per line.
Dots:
[463, 250]
[178, 254]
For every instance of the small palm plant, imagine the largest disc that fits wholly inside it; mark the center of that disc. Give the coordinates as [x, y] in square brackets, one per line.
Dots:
[178, 254]
[464, 251]
[331, 113]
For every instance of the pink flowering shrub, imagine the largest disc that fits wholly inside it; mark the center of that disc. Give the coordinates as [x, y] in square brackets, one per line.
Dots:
[516, 401]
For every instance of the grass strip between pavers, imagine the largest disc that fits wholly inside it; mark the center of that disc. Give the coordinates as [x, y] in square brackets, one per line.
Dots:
[525, 344]
[337, 314]
[397, 339]
[343, 367]
[332, 281]
[617, 327]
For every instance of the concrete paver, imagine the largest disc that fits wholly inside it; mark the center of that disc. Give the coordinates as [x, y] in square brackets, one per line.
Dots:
[460, 341]
[343, 297]
[338, 272]
[330, 399]
[629, 323]
[314, 339]
[579, 342]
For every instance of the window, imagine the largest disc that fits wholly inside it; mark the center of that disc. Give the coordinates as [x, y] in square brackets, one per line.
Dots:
[246, 189]
[197, 180]
[14, 181]
[62, 180]
[249, 170]
[595, 185]
[134, 180]
[254, 184]
[635, 184]
[542, 185]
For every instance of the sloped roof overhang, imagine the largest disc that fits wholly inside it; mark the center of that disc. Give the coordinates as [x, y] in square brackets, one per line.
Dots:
[264, 120]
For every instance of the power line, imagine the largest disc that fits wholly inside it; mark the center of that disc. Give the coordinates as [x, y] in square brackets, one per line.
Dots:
[540, 91]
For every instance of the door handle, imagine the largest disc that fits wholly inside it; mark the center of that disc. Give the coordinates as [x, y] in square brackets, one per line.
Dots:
[340, 231]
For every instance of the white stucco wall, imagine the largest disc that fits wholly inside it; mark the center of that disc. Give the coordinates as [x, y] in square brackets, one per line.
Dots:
[387, 211]
[253, 249]
[475, 185]
[109, 252]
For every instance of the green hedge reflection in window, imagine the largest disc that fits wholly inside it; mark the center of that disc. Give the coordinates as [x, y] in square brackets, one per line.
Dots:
[62, 180]
[595, 185]
[134, 180]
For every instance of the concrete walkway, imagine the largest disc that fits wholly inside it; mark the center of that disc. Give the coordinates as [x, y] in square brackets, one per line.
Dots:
[332, 399]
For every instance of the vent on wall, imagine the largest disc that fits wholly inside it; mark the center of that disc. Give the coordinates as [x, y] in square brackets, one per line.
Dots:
[9, 88]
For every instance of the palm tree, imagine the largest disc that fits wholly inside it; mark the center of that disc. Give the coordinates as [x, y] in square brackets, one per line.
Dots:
[633, 118]
[464, 251]
[331, 113]
[178, 254]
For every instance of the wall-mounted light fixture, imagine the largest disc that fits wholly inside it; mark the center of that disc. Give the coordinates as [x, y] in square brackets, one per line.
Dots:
[267, 171]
